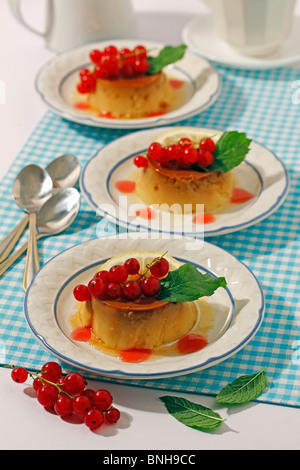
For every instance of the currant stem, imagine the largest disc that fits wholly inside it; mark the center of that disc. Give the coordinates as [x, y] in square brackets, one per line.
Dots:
[43, 380]
[149, 266]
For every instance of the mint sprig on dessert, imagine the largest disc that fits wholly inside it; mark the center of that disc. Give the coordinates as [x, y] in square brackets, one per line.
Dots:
[186, 284]
[167, 56]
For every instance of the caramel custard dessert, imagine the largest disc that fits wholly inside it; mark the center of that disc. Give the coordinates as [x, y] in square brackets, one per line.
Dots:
[186, 167]
[129, 307]
[129, 84]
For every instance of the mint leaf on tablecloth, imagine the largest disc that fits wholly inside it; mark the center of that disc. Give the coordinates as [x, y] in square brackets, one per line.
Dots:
[168, 55]
[230, 151]
[244, 389]
[192, 414]
[186, 284]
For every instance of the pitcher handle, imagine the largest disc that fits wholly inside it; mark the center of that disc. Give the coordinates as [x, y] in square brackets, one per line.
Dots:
[15, 6]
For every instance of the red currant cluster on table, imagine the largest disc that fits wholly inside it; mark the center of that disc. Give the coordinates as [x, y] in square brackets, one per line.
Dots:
[68, 395]
[111, 64]
[181, 155]
[114, 284]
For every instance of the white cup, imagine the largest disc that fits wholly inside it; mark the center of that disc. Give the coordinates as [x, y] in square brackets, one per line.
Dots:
[253, 27]
[71, 23]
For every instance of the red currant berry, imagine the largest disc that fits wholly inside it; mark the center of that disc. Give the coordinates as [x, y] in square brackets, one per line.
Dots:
[109, 60]
[81, 293]
[47, 395]
[90, 82]
[84, 72]
[141, 66]
[127, 70]
[19, 375]
[112, 415]
[51, 371]
[114, 71]
[140, 51]
[172, 152]
[97, 288]
[82, 88]
[110, 50]
[156, 151]
[102, 72]
[94, 419]
[37, 383]
[63, 406]
[89, 393]
[96, 56]
[132, 290]
[151, 286]
[124, 52]
[160, 268]
[207, 144]
[118, 274]
[114, 290]
[140, 161]
[205, 159]
[190, 156]
[82, 404]
[132, 266]
[74, 383]
[185, 141]
[102, 399]
[61, 384]
[104, 276]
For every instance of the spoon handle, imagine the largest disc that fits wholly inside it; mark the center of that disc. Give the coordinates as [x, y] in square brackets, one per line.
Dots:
[11, 239]
[12, 258]
[32, 260]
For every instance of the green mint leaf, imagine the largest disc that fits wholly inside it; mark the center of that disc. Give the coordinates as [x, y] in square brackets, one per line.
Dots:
[168, 55]
[243, 389]
[186, 284]
[231, 149]
[192, 414]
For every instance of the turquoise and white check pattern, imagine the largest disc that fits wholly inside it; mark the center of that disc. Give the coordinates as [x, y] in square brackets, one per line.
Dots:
[265, 104]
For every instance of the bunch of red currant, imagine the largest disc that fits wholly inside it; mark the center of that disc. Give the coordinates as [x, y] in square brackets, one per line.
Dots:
[183, 154]
[68, 395]
[114, 284]
[112, 63]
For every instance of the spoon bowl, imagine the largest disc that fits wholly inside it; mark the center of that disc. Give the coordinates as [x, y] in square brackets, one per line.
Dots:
[55, 216]
[64, 171]
[58, 212]
[32, 187]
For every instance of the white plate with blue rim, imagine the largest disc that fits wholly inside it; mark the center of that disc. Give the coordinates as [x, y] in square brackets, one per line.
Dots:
[262, 174]
[56, 82]
[238, 308]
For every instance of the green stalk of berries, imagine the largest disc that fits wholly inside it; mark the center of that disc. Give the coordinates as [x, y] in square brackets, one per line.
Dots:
[68, 395]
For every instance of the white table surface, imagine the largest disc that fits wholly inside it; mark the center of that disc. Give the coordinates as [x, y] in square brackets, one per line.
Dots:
[144, 424]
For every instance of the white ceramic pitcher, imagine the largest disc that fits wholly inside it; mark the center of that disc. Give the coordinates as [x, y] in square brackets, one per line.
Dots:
[71, 23]
[253, 27]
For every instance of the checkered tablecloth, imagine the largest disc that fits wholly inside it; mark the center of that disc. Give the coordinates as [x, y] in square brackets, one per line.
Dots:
[265, 104]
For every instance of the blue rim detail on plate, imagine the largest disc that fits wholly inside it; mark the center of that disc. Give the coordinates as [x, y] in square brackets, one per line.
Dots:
[274, 206]
[149, 375]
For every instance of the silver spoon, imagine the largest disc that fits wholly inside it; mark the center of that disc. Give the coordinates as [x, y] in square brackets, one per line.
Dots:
[55, 216]
[31, 189]
[64, 172]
